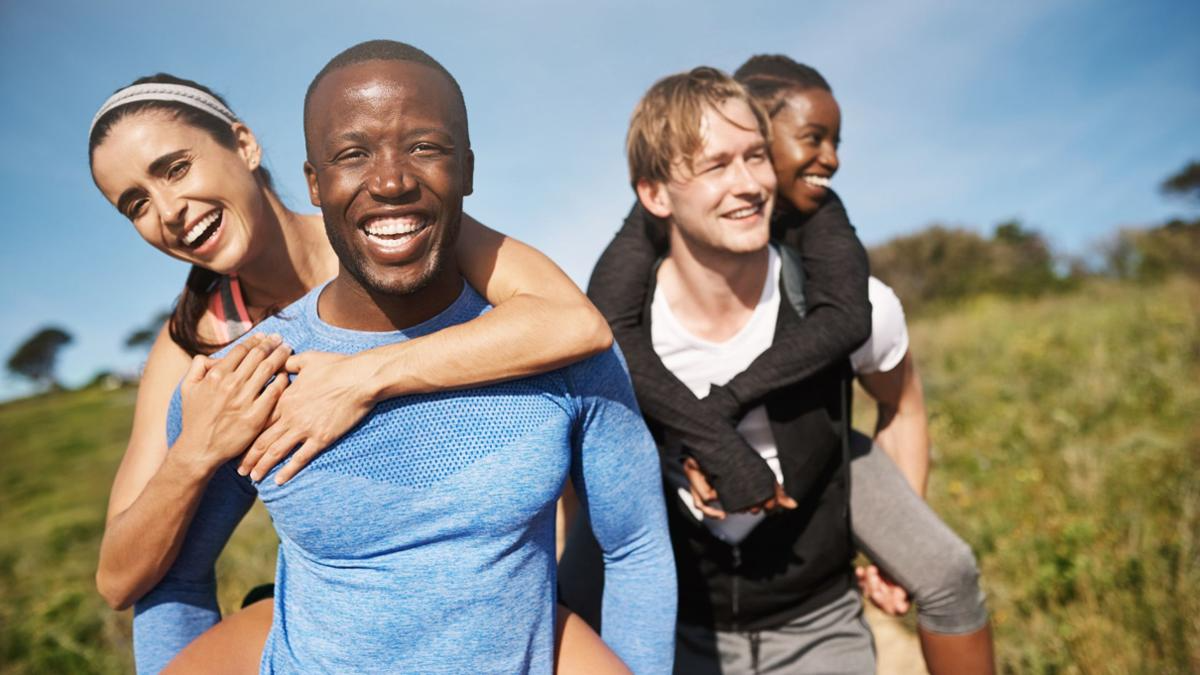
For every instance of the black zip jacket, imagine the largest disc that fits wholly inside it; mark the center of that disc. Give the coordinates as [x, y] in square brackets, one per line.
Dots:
[794, 561]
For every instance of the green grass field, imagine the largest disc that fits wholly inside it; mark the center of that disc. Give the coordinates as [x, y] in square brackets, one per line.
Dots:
[1067, 452]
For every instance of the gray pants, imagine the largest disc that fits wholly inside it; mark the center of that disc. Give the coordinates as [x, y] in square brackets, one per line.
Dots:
[832, 640]
[907, 540]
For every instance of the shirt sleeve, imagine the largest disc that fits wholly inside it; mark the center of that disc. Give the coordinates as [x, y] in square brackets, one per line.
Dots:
[838, 311]
[889, 333]
[616, 473]
[184, 604]
[619, 287]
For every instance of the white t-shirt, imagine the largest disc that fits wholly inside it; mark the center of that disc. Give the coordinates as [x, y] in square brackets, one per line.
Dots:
[699, 364]
[889, 333]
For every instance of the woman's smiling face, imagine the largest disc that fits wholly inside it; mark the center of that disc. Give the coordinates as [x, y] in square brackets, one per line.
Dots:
[186, 194]
[805, 136]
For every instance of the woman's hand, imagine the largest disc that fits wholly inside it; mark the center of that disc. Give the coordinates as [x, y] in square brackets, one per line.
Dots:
[228, 401]
[884, 593]
[704, 495]
[329, 395]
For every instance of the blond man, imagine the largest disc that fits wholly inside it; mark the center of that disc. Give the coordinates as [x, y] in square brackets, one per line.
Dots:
[758, 593]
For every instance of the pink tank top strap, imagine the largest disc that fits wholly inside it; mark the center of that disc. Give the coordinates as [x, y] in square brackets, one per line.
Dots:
[229, 308]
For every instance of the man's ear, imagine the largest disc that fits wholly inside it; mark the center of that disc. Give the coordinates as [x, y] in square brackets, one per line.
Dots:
[654, 197]
[310, 175]
[247, 146]
[469, 172]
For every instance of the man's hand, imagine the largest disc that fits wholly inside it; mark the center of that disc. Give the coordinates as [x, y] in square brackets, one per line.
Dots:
[884, 593]
[325, 400]
[703, 494]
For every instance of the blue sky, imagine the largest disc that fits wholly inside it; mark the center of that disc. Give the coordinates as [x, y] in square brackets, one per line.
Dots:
[1065, 114]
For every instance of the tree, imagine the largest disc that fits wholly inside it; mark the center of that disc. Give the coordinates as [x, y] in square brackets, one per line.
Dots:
[1185, 183]
[36, 358]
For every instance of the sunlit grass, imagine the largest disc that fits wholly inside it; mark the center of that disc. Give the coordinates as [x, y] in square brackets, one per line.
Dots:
[1067, 452]
[58, 454]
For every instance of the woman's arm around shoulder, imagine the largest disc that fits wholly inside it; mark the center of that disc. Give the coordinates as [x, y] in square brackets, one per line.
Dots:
[620, 287]
[155, 492]
[540, 321]
[837, 316]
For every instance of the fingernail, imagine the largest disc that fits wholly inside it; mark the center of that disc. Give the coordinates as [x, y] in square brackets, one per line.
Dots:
[242, 471]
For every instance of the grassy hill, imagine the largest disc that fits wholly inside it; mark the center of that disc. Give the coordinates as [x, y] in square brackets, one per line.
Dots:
[58, 454]
[1067, 452]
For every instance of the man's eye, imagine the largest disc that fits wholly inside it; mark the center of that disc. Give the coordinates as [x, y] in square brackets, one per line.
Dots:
[756, 157]
[351, 154]
[178, 170]
[427, 149]
[711, 168]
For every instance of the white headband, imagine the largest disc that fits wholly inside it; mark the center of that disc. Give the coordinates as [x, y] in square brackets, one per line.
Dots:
[178, 93]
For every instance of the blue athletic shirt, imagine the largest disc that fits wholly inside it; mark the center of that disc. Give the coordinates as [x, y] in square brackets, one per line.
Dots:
[424, 540]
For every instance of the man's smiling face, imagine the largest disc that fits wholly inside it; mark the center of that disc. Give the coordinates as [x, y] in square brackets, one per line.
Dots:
[389, 165]
[720, 199]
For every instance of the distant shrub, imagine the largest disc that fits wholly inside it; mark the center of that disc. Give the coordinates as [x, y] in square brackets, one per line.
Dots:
[942, 265]
[1155, 253]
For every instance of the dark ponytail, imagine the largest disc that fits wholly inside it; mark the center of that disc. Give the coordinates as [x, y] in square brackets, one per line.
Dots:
[184, 325]
[189, 310]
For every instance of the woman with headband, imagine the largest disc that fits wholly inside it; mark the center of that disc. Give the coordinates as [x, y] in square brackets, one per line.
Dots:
[889, 522]
[172, 157]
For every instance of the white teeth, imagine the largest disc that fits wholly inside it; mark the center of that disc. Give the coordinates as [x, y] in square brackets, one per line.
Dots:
[198, 229]
[746, 212]
[380, 227]
[817, 181]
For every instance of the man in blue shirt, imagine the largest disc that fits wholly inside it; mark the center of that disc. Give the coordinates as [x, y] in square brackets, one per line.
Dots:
[423, 541]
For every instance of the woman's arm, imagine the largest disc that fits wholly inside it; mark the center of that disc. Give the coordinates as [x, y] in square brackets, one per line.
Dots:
[838, 319]
[902, 428]
[837, 316]
[620, 286]
[540, 321]
[155, 493]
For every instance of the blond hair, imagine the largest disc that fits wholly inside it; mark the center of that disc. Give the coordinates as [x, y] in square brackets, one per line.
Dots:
[665, 127]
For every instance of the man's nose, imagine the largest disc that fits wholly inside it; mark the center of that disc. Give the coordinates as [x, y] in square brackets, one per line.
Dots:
[744, 180]
[391, 179]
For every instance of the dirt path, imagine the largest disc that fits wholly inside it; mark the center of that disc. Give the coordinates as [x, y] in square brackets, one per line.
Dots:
[897, 649]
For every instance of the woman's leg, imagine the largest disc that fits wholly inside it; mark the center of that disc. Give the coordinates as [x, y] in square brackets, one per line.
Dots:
[579, 650]
[233, 646]
[906, 539]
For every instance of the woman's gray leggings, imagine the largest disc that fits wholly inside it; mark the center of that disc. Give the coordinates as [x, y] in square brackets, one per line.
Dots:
[899, 532]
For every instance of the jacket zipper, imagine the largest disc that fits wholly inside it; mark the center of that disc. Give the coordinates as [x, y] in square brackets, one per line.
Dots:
[737, 563]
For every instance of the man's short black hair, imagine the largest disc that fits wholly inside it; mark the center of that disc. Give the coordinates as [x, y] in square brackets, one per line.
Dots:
[385, 50]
